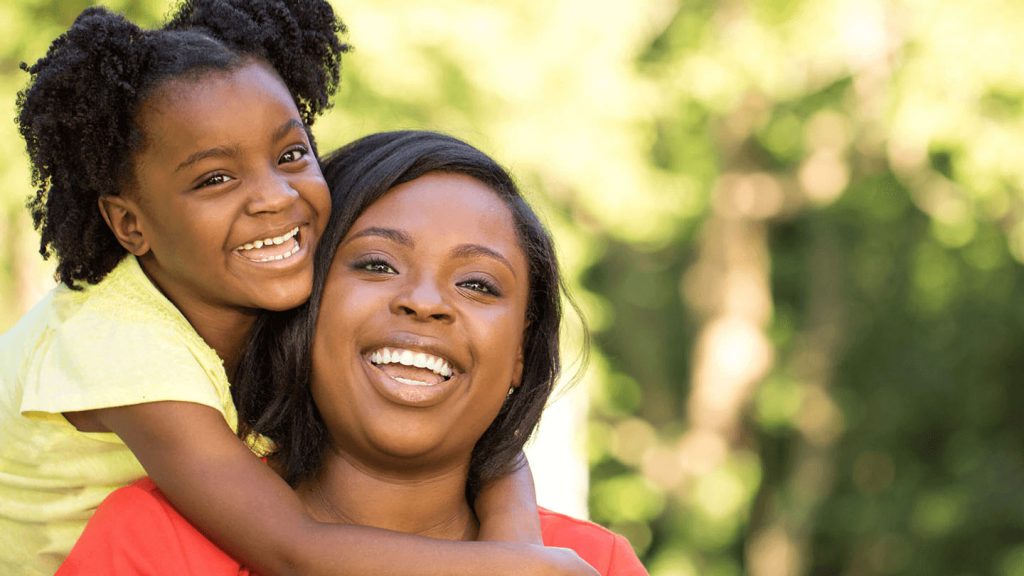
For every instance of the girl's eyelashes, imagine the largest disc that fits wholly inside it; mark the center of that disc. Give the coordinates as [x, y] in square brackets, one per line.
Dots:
[214, 180]
[293, 155]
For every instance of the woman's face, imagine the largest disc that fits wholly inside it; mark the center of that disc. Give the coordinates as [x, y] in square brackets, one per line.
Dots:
[420, 331]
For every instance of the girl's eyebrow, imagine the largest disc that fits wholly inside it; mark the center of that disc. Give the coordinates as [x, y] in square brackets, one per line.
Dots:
[287, 127]
[281, 132]
[208, 153]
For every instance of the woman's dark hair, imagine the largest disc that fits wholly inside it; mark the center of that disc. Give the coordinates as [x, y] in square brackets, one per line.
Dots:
[272, 387]
[78, 112]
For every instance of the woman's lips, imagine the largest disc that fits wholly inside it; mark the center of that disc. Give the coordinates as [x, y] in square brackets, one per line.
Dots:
[411, 386]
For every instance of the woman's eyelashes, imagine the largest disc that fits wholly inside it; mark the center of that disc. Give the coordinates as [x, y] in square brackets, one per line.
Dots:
[480, 285]
[377, 265]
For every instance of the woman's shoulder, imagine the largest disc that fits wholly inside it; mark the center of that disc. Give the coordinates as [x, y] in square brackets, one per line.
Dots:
[608, 552]
[137, 531]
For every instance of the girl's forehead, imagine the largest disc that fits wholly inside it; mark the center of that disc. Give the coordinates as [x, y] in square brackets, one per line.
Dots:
[204, 82]
[221, 109]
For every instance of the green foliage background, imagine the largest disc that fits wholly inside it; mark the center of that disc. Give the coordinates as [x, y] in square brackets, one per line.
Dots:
[796, 230]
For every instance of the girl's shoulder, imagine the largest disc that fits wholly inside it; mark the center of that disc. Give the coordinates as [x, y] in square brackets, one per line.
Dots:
[609, 553]
[113, 343]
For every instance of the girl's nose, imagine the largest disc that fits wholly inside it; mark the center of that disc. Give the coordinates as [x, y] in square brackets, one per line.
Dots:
[271, 194]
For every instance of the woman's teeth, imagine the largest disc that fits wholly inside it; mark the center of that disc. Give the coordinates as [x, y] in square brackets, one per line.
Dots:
[435, 364]
[265, 251]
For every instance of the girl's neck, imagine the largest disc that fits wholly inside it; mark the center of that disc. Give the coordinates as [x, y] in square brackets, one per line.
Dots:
[432, 505]
[224, 329]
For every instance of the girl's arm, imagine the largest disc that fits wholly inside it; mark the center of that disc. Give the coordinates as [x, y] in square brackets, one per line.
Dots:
[507, 507]
[238, 502]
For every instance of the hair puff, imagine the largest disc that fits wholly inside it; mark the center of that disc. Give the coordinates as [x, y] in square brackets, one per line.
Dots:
[300, 39]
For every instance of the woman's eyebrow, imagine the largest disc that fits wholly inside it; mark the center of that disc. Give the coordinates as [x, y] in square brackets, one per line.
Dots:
[477, 250]
[392, 234]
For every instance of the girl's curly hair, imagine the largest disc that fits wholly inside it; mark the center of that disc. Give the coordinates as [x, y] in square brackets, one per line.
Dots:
[78, 112]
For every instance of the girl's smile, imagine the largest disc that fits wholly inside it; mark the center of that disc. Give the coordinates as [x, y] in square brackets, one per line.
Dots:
[229, 198]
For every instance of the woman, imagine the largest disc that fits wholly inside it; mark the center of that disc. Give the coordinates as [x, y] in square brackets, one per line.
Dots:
[417, 371]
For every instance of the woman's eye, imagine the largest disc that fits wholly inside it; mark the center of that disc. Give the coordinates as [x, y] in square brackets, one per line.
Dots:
[215, 180]
[481, 286]
[293, 155]
[376, 266]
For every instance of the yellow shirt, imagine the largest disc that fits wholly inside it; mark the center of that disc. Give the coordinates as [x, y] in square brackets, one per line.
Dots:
[116, 343]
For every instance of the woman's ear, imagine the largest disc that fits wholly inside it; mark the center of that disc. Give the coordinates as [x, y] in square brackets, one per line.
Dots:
[122, 216]
[517, 370]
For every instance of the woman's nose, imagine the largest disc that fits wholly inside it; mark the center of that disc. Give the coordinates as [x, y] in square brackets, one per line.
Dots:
[422, 299]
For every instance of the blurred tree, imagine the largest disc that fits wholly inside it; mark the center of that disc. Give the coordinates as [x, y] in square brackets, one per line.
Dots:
[796, 229]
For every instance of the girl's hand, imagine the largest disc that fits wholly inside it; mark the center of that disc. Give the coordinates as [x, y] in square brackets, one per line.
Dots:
[559, 562]
[507, 507]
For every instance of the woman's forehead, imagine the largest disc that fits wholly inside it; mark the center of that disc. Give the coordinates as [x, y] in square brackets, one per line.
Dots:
[453, 205]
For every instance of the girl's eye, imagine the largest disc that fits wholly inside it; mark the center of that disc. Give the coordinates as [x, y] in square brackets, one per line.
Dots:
[215, 180]
[375, 265]
[480, 285]
[293, 155]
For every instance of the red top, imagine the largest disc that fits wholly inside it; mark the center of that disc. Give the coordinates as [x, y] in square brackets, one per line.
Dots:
[137, 531]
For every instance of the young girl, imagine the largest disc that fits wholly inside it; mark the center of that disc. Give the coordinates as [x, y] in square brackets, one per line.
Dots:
[416, 371]
[178, 189]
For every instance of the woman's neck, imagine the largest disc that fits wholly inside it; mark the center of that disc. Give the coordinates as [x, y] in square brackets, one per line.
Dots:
[432, 505]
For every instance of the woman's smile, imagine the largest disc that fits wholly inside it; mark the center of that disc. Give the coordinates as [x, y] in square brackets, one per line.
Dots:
[416, 368]
[410, 376]
[410, 386]
[430, 317]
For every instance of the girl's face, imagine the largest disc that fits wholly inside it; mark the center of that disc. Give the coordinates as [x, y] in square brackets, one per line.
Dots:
[229, 197]
[420, 331]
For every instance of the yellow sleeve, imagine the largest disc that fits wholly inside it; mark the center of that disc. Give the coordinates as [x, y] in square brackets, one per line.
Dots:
[90, 362]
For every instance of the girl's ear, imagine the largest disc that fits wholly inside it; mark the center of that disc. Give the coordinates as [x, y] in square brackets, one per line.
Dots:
[122, 216]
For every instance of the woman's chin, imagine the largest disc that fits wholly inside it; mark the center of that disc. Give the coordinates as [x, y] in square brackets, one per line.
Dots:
[408, 452]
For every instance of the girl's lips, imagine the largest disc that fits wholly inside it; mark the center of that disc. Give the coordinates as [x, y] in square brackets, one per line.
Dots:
[418, 395]
[289, 252]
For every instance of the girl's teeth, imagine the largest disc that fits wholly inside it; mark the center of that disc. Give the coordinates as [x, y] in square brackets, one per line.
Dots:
[276, 241]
